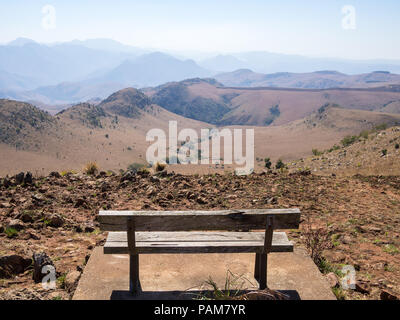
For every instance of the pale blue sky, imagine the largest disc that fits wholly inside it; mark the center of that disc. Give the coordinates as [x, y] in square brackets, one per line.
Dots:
[307, 27]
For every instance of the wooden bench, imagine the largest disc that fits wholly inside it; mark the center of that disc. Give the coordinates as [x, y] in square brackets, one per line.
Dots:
[159, 232]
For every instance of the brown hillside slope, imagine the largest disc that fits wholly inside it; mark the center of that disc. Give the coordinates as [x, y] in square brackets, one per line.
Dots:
[375, 152]
[312, 80]
[86, 133]
[208, 101]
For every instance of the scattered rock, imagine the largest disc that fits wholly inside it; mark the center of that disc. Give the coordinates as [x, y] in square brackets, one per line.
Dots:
[332, 279]
[104, 187]
[19, 178]
[71, 280]
[39, 261]
[5, 205]
[33, 235]
[89, 227]
[272, 200]
[28, 178]
[347, 239]
[37, 197]
[16, 224]
[56, 221]
[13, 265]
[129, 175]
[362, 288]
[81, 202]
[26, 217]
[201, 200]
[6, 183]
[387, 295]
[55, 174]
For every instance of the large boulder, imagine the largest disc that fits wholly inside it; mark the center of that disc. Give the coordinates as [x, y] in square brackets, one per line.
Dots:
[28, 178]
[13, 265]
[56, 221]
[19, 178]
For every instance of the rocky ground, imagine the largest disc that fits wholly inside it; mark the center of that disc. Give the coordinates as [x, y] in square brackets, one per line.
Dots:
[57, 215]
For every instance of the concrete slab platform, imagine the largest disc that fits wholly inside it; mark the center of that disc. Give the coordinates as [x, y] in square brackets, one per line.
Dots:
[181, 276]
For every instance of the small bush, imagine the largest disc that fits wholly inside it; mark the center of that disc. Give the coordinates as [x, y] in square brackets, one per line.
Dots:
[316, 241]
[135, 166]
[160, 167]
[381, 127]
[364, 134]
[316, 152]
[334, 148]
[397, 146]
[11, 232]
[348, 140]
[67, 172]
[391, 249]
[384, 152]
[268, 163]
[279, 164]
[91, 168]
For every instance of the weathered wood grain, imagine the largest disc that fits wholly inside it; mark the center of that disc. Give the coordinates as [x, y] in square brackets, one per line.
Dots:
[196, 242]
[231, 220]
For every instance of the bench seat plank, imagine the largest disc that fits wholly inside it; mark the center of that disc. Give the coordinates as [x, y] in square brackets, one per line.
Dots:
[196, 242]
[232, 220]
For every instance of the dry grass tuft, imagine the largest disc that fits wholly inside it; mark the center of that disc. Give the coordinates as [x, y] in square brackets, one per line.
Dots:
[91, 168]
[160, 167]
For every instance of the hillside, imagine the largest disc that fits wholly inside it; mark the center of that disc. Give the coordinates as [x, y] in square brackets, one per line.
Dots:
[371, 152]
[25, 127]
[209, 101]
[112, 133]
[313, 80]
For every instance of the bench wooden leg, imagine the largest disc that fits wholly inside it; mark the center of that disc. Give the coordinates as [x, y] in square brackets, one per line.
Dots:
[263, 271]
[134, 284]
[257, 267]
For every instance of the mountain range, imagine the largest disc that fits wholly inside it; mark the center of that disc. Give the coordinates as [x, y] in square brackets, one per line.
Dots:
[113, 132]
[71, 72]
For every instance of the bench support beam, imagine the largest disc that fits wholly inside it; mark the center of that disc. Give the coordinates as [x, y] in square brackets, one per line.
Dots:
[134, 284]
[260, 266]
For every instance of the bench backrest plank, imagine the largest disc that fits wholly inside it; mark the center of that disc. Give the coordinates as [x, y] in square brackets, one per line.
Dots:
[229, 220]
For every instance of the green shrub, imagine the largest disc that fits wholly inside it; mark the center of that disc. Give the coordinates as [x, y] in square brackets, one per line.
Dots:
[397, 146]
[384, 152]
[364, 134]
[279, 164]
[11, 232]
[349, 140]
[316, 152]
[268, 163]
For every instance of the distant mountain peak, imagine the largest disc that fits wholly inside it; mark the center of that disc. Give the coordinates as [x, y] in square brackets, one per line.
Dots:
[127, 103]
[20, 42]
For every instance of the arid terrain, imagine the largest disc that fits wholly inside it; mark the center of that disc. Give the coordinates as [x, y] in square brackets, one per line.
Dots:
[340, 165]
[57, 215]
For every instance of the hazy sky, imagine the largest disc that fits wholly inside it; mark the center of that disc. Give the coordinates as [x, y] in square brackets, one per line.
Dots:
[307, 27]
